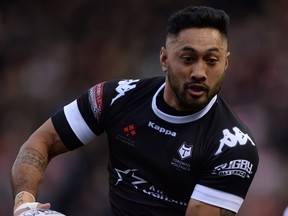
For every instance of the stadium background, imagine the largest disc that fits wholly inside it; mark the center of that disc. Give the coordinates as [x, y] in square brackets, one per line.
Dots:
[51, 51]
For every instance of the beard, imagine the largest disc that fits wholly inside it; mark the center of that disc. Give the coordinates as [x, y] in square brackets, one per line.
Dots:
[187, 102]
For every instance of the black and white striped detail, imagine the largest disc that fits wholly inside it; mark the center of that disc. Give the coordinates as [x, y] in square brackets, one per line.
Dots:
[78, 124]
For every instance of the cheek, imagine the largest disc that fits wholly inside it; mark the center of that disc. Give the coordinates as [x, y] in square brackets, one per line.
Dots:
[177, 74]
[177, 69]
[216, 81]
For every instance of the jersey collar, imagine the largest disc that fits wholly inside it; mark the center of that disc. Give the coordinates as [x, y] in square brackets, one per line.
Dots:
[180, 119]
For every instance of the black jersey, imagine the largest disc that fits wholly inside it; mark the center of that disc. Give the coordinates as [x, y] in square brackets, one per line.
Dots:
[158, 158]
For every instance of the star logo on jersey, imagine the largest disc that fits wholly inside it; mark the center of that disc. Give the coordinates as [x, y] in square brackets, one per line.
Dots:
[129, 176]
[130, 130]
[185, 151]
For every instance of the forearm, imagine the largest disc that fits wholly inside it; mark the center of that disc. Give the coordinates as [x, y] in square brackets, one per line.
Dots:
[27, 172]
[197, 208]
[32, 160]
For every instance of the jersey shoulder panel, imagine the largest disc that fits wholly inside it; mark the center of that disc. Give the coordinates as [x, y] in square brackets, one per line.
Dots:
[118, 90]
[229, 159]
[91, 108]
[231, 155]
[117, 95]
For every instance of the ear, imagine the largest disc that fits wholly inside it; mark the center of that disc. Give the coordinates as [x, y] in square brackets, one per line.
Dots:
[227, 60]
[163, 58]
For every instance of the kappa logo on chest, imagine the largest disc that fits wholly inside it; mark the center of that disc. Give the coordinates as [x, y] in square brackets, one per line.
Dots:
[161, 130]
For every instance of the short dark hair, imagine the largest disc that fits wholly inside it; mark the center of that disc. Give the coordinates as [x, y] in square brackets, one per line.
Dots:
[198, 17]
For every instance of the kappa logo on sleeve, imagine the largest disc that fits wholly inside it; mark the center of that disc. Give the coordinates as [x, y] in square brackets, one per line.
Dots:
[231, 140]
[123, 87]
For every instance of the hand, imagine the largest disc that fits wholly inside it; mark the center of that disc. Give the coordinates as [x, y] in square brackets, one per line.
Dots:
[30, 205]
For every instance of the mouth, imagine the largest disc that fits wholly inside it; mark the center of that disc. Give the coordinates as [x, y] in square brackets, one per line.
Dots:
[197, 90]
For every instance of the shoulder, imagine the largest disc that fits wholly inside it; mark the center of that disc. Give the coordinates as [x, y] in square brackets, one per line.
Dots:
[116, 90]
[230, 133]
[130, 84]
[227, 116]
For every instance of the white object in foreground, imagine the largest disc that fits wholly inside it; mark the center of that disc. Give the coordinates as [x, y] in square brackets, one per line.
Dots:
[41, 212]
[285, 213]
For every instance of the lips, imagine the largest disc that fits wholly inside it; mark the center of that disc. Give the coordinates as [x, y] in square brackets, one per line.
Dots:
[196, 89]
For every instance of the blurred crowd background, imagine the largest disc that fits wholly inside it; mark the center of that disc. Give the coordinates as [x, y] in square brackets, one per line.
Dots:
[52, 51]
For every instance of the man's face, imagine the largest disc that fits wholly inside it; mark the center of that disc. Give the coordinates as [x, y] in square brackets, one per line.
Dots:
[194, 63]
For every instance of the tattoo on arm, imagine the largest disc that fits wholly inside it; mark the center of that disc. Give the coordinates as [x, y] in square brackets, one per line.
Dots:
[35, 159]
[225, 212]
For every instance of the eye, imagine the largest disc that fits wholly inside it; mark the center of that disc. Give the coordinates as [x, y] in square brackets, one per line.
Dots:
[187, 59]
[211, 61]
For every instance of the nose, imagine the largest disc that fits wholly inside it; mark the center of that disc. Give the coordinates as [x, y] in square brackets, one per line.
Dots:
[198, 71]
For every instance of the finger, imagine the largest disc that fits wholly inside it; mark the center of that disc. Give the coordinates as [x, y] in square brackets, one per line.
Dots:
[32, 206]
[44, 206]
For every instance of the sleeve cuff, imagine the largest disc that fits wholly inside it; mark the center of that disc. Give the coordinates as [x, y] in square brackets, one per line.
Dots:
[217, 198]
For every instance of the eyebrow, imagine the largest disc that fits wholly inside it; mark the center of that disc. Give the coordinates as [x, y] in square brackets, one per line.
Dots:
[213, 49]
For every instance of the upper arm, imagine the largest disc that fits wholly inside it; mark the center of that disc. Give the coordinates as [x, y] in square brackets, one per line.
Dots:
[46, 140]
[197, 208]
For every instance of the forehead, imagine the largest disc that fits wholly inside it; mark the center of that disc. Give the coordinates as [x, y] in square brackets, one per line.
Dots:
[200, 39]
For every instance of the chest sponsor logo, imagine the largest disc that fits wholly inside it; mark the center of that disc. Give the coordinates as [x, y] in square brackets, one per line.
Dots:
[131, 177]
[231, 140]
[123, 87]
[161, 129]
[242, 168]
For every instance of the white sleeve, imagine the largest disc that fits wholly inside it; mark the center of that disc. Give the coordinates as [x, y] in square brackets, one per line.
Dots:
[217, 198]
[78, 124]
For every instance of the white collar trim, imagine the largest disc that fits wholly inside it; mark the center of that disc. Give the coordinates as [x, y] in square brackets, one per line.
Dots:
[180, 119]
